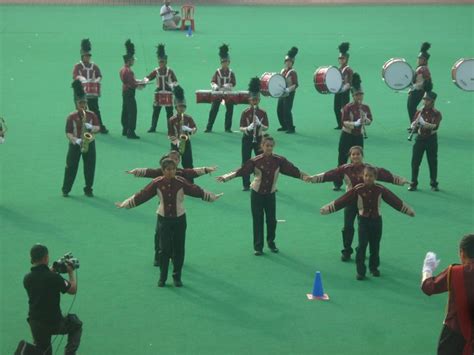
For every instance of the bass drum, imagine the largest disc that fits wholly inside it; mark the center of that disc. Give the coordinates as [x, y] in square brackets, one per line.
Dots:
[397, 74]
[462, 74]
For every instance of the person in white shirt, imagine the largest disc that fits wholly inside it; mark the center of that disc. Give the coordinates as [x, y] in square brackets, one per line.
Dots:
[169, 16]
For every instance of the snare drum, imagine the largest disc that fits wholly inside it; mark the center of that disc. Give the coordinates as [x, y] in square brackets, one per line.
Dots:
[204, 96]
[462, 74]
[91, 89]
[397, 73]
[164, 98]
[272, 84]
[237, 97]
[328, 80]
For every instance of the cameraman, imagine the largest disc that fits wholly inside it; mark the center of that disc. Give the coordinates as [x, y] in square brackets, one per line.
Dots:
[43, 286]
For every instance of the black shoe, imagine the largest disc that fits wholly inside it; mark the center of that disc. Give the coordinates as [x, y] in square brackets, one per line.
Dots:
[337, 127]
[228, 131]
[152, 130]
[246, 188]
[336, 188]
[412, 187]
[273, 248]
[375, 273]
[88, 193]
[290, 131]
[177, 283]
[65, 194]
[161, 283]
[258, 252]
[132, 136]
[104, 130]
[207, 130]
[434, 188]
[281, 129]
[360, 277]
[345, 257]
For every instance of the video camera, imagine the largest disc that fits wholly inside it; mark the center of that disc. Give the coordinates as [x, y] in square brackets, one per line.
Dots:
[60, 266]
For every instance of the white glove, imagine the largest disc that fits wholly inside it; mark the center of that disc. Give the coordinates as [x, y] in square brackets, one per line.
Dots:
[250, 127]
[421, 121]
[214, 86]
[78, 141]
[88, 125]
[81, 78]
[430, 263]
[145, 80]
[324, 210]
[358, 123]
[287, 91]
[228, 86]
[187, 129]
[258, 122]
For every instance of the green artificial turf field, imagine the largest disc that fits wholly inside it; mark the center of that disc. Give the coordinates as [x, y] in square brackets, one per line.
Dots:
[232, 302]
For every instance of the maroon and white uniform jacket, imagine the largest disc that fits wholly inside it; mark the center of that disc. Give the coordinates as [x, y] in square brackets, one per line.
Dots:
[351, 113]
[290, 76]
[246, 119]
[175, 126]
[89, 72]
[74, 122]
[165, 79]
[347, 73]
[369, 199]
[353, 175]
[223, 79]
[171, 193]
[266, 170]
[188, 174]
[422, 76]
[128, 78]
[432, 118]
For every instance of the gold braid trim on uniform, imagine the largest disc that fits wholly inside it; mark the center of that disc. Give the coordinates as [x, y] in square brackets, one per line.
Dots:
[317, 178]
[229, 176]
[129, 202]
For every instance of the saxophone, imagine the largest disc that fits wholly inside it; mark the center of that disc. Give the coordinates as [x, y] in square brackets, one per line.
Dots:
[86, 137]
[183, 137]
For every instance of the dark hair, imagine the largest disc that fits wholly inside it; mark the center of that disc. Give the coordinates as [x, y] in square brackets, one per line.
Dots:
[467, 245]
[267, 137]
[172, 152]
[357, 147]
[371, 169]
[38, 252]
[163, 158]
[167, 162]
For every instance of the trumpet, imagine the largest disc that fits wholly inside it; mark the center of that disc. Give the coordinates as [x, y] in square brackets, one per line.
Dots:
[87, 137]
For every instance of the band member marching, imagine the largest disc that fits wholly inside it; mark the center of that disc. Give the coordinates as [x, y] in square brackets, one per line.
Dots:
[165, 82]
[353, 175]
[253, 123]
[266, 168]
[222, 80]
[426, 124]
[421, 82]
[129, 85]
[355, 116]
[180, 129]
[79, 128]
[285, 102]
[90, 76]
[341, 99]
[170, 190]
[368, 198]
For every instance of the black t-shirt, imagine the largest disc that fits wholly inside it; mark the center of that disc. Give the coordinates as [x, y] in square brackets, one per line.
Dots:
[43, 287]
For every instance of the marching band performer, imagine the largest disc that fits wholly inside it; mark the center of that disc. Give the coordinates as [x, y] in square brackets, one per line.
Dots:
[341, 99]
[355, 116]
[353, 175]
[129, 84]
[165, 81]
[457, 336]
[79, 128]
[222, 80]
[426, 124]
[285, 102]
[170, 190]
[3, 129]
[180, 128]
[266, 168]
[368, 197]
[253, 122]
[421, 82]
[88, 72]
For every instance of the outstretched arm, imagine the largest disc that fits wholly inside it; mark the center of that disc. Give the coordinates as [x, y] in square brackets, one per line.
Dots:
[141, 197]
[348, 198]
[390, 198]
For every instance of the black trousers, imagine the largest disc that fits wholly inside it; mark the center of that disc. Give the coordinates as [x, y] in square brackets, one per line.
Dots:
[213, 114]
[263, 204]
[370, 234]
[247, 147]
[430, 146]
[72, 163]
[42, 332]
[172, 233]
[93, 104]
[414, 99]
[350, 213]
[187, 157]
[129, 112]
[157, 242]
[340, 100]
[156, 115]
[346, 142]
[284, 108]
[450, 342]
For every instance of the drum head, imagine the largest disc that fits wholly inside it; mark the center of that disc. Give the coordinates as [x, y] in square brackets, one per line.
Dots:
[333, 80]
[276, 85]
[463, 75]
[398, 74]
